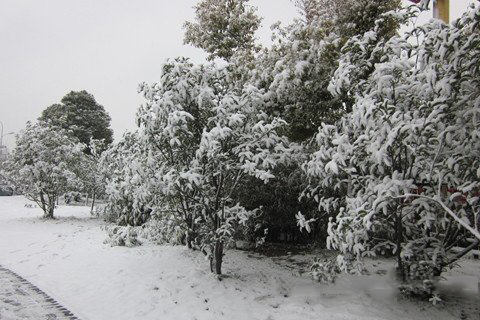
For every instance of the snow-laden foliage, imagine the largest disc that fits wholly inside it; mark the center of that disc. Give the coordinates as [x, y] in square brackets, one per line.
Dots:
[122, 236]
[405, 162]
[205, 136]
[295, 72]
[44, 165]
[126, 171]
[296, 69]
[91, 172]
[223, 27]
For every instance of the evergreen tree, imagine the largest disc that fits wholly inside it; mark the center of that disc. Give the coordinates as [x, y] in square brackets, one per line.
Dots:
[81, 115]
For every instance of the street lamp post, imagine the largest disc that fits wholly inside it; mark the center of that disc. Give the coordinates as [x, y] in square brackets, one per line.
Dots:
[2, 135]
[1, 141]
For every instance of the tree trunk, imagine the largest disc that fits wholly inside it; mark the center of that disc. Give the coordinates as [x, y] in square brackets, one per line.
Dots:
[399, 240]
[48, 213]
[217, 258]
[93, 203]
[190, 238]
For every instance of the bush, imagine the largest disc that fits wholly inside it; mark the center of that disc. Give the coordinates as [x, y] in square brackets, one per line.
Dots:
[423, 291]
[122, 236]
[161, 230]
[324, 271]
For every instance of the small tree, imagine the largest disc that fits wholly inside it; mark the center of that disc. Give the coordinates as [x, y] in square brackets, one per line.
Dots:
[91, 175]
[206, 136]
[44, 165]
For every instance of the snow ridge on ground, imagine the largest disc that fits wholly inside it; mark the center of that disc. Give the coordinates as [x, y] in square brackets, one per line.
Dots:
[68, 260]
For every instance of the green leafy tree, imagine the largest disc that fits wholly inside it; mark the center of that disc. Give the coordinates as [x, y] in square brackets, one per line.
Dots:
[295, 73]
[80, 114]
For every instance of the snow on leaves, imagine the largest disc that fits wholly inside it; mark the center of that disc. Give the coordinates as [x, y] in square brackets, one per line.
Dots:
[45, 163]
[404, 162]
[205, 135]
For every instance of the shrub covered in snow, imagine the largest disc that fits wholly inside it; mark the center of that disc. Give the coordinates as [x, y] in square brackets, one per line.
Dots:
[162, 229]
[123, 236]
[126, 173]
[91, 172]
[324, 270]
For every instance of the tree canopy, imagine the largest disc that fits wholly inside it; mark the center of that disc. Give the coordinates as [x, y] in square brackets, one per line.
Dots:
[222, 27]
[81, 115]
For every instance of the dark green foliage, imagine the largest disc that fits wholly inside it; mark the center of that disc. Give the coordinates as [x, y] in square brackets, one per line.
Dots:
[81, 115]
[279, 200]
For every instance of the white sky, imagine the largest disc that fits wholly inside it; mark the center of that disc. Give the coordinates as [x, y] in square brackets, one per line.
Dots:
[106, 47]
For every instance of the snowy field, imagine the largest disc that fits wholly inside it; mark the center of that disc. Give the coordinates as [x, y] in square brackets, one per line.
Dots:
[67, 259]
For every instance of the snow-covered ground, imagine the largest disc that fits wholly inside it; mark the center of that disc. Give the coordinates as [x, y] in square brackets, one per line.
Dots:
[68, 260]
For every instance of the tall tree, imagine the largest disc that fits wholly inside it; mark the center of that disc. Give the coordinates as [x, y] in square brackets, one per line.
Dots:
[297, 69]
[222, 27]
[80, 114]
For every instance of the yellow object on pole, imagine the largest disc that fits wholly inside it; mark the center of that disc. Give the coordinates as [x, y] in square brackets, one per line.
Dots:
[441, 10]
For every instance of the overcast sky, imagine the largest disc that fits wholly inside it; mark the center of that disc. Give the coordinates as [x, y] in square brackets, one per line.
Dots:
[106, 47]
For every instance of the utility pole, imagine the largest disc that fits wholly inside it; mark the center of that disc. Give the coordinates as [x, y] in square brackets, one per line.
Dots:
[2, 147]
[441, 10]
[1, 135]
[1, 142]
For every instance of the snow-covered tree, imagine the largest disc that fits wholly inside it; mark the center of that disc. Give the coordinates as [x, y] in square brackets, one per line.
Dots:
[91, 174]
[207, 135]
[44, 165]
[126, 172]
[223, 27]
[296, 70]
[405, 162]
